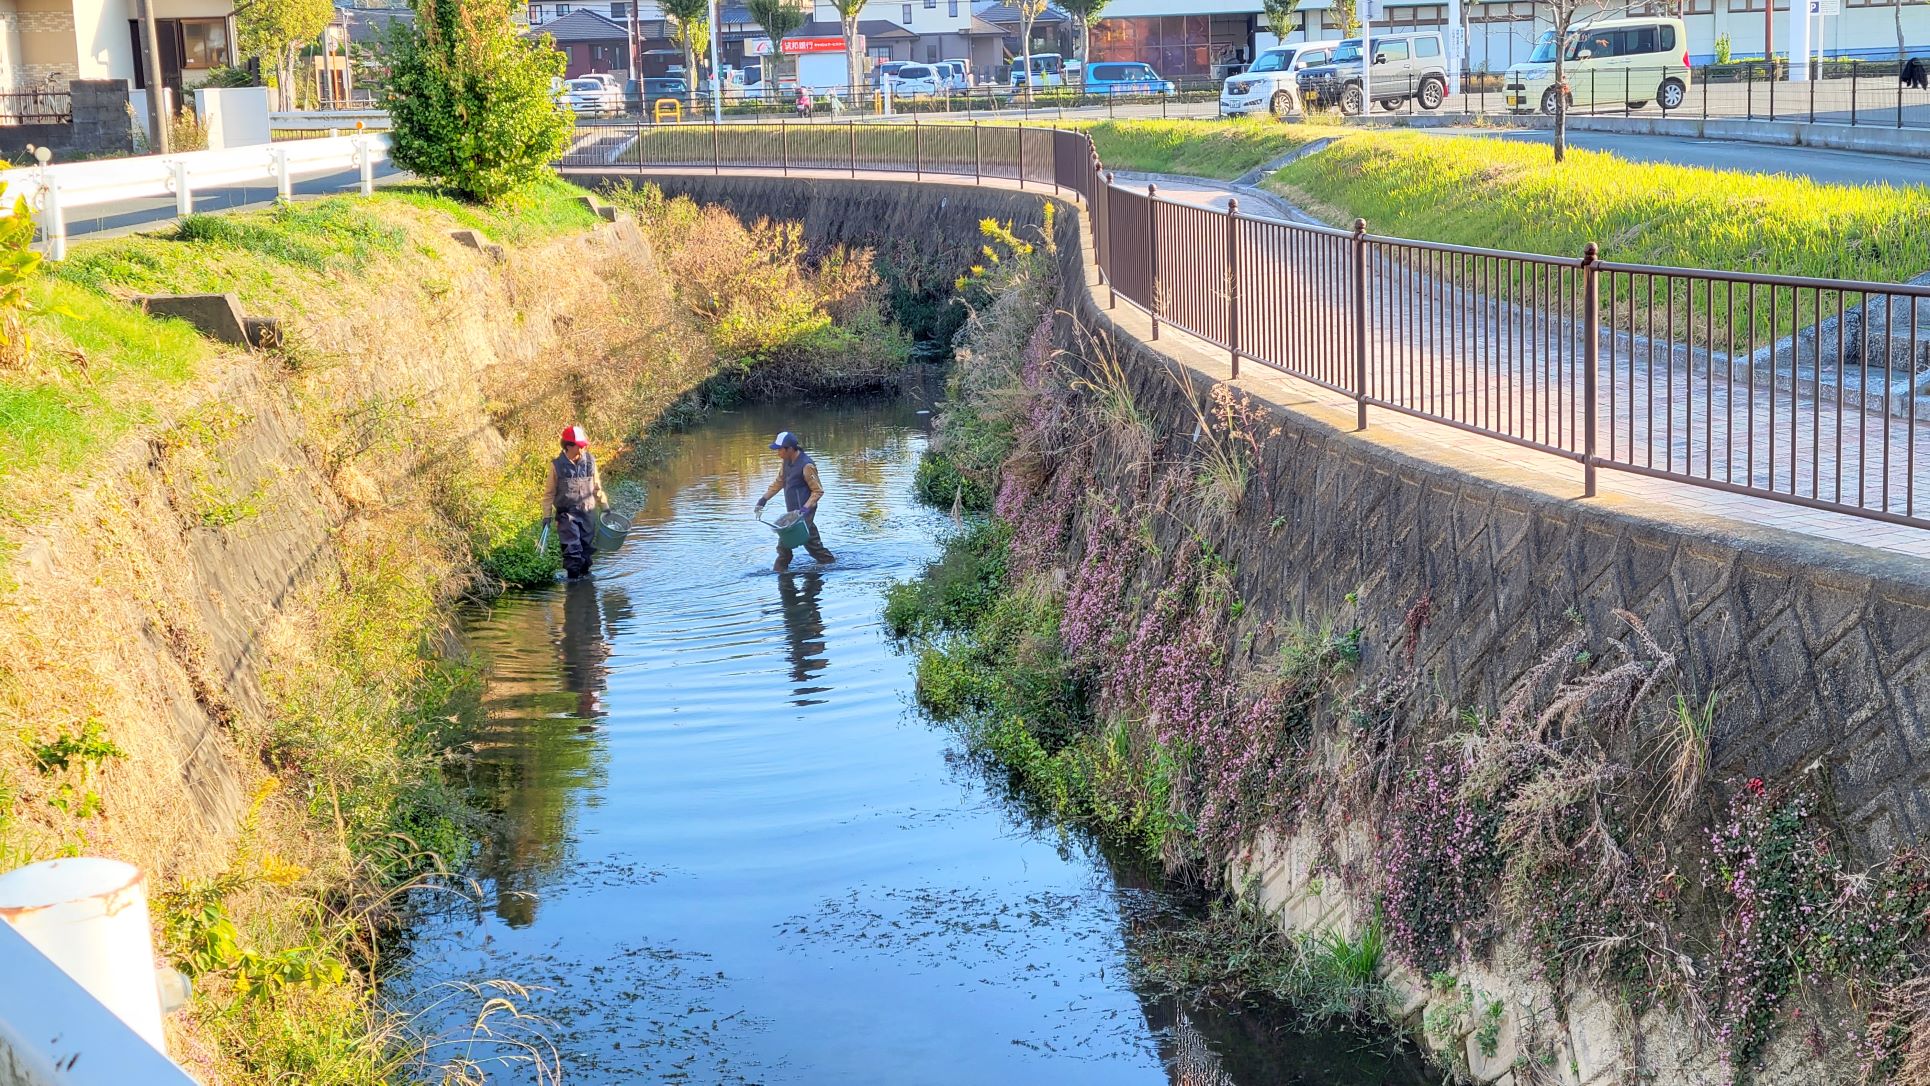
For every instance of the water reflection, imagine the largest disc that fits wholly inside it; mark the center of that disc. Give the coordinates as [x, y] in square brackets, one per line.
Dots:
[725, 861]
[797, 595]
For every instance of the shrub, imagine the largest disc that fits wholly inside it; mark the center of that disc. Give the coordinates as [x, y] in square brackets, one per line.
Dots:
[1439, 860]
[939, 483]
[19, 263]
[469, 99]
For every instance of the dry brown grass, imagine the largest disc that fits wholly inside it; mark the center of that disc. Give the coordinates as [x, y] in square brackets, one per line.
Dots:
[1900, 1023]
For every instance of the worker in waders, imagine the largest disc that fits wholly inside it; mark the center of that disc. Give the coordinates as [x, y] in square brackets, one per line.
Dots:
[797, 477]
[575, 490]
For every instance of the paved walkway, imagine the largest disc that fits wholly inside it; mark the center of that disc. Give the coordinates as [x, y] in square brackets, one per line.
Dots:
[1474, 386]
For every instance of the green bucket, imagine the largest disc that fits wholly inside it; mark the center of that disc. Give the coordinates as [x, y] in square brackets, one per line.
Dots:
[792, 530]
[611, 531]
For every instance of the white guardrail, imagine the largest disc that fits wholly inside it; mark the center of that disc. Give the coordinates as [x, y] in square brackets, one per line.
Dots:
[329, 120]
[54, 1033]
[56, 190]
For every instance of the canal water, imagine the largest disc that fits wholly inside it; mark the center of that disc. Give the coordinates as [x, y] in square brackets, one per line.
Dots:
[728, 849]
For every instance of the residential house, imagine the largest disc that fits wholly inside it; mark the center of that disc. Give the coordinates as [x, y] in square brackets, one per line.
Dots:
[45, 44]
[922, 30]
[1052, 31]
[591, 42]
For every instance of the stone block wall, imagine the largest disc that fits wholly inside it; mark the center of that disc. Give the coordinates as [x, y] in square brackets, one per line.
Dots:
[101, 127]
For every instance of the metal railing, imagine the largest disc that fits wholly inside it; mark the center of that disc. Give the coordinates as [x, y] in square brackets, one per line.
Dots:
[53, 192]
[1814, 392]
[36, 107]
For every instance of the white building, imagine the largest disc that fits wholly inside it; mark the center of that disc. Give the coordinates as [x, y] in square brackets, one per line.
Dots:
[44, 44]
[933, 30]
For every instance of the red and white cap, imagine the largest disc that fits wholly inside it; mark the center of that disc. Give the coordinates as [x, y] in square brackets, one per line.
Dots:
[574, 435]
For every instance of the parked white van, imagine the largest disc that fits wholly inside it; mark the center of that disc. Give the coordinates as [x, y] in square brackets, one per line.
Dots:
[1608, 62]
[1269, 85]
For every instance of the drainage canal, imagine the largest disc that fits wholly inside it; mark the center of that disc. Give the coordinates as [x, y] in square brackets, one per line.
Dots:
[728, 850]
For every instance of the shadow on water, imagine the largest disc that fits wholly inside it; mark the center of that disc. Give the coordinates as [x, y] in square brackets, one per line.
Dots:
[726, 849]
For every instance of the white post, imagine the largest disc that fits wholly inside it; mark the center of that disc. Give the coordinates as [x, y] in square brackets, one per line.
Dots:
[1799, 13]
[885, 82]
[279, 158]
[183, 195]
[367, 162]
[1366, 58]
[1457, 46]
[716, 71]
[88, 915]
[53, 221]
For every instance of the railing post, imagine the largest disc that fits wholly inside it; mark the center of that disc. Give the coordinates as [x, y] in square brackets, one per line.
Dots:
[784, 127]
[1360, 324]
[1022, 163]
[183, 194]
[53, 221]
[716, 150]
[639, 148]
[978, 156]
[1152, 254]
[1852, 92]
[1591, 359]
[851, 129]
[1233, 283]
[1112, 284]
[1815, 71]
[917, 149]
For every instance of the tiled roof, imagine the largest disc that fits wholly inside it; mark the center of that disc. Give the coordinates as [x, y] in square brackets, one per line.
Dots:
[582, 26]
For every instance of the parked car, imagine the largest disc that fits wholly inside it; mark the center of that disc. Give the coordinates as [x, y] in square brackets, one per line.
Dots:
[656, 88]
[1125, 77]
[877, 76]
[952, 74]
[964, 67]
[917, 81]
[1613, 61]
[1405, 66]
[589, 96]
[1270, 85]
[1050, 68]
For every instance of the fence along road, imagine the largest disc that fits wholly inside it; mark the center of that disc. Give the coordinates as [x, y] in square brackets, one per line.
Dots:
[1811, 392]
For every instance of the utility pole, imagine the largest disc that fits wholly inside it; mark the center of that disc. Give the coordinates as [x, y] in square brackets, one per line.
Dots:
[716, 71]
[636, 52]
[157, 110]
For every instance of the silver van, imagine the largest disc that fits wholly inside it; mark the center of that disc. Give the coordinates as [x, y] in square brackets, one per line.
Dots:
[1406, 66]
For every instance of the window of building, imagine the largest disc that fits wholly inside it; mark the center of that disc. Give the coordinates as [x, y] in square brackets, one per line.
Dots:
[1870, 3]
[1422, 15]
[1755, 5]
[619, 11]
[562, 9]
[1699, 7]
[1517, 12]
[204, 43]
[536, 15]
[951, 8]
[907, 16]
[931, 5]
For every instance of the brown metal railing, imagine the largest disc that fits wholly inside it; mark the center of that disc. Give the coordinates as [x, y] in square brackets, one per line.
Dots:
[1814, 392]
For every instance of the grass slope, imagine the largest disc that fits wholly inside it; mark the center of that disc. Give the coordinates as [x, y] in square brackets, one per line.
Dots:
[1222, 150]
[1500, 194]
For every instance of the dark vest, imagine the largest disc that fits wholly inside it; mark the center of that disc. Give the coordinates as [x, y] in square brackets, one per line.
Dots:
[575, 483]
[796, 490]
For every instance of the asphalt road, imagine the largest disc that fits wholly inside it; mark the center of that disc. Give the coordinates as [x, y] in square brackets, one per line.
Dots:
[1832, 167]
[112, 220]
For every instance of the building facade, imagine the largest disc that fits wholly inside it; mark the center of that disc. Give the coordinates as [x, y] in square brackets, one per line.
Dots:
[1499, 33]
[46, 44]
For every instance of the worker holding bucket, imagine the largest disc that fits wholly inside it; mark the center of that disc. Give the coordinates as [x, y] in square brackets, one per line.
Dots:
[797, 477]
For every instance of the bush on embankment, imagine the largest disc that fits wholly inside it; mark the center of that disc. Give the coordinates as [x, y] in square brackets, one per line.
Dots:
[1093, 639]
[1507, 194]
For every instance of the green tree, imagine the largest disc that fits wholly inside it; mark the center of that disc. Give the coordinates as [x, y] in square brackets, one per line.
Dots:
[853, 63]
[472, 103]
[1345, 12]
[778, 18]
[690, 28]
[1279, 16]
[1085, 13]
[276, 32]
